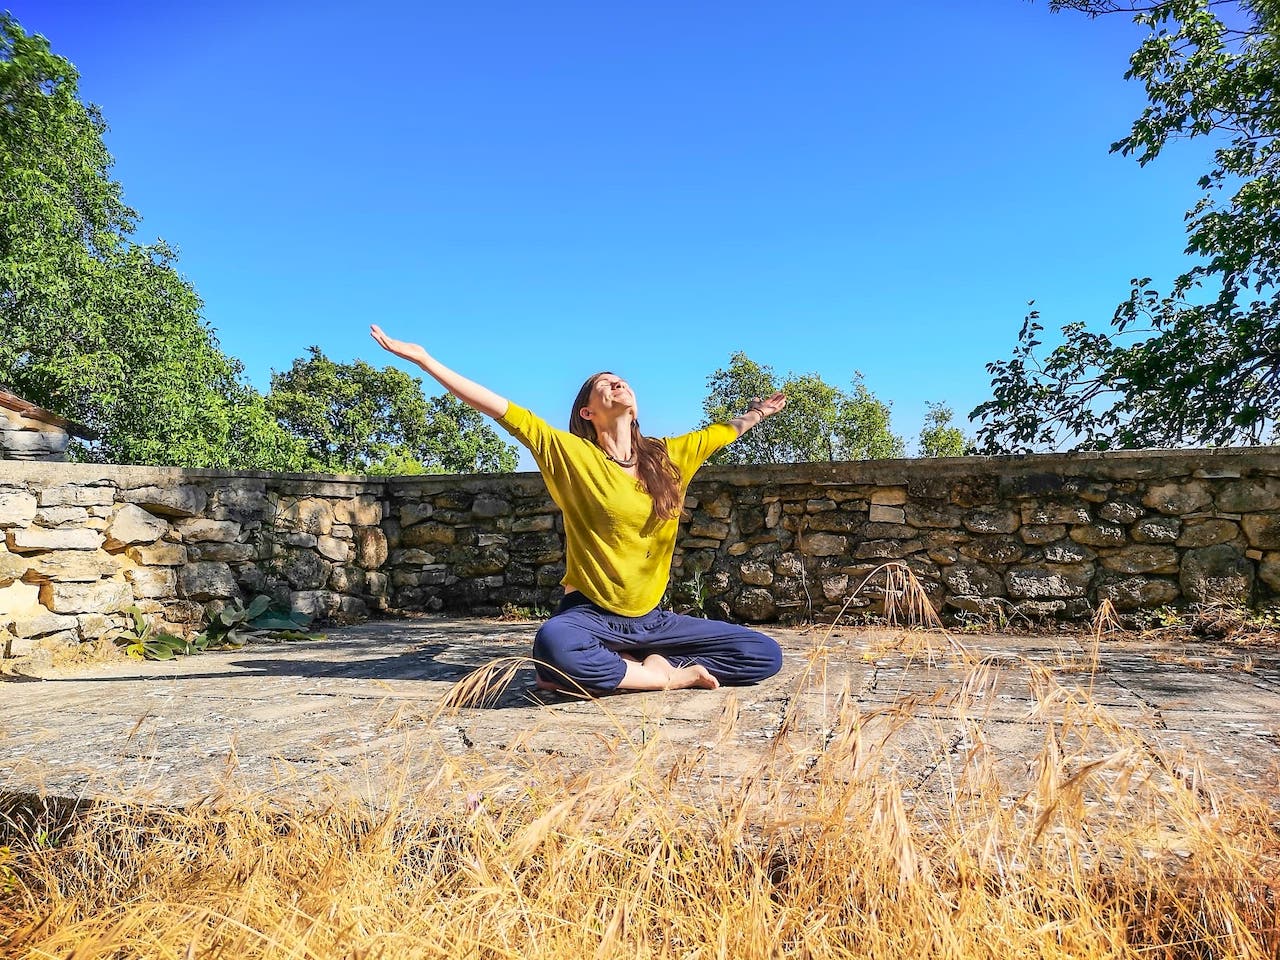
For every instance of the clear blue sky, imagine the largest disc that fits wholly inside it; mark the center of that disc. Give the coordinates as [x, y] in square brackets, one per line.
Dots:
[536, 191]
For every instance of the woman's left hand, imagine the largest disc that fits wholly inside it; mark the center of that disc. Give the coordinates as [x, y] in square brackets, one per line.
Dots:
[769, 405]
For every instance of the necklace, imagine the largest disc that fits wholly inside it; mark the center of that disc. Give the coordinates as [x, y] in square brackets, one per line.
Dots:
[630, 462]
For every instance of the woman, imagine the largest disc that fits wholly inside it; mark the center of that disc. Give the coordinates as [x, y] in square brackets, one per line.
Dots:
[621, 494]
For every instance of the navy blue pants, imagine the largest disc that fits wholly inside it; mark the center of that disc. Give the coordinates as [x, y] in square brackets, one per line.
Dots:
[581, 643]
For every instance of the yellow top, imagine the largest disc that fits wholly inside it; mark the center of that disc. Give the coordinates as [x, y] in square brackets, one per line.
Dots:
[616, 552]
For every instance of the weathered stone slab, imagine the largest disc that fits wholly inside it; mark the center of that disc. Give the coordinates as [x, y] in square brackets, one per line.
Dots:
[1215, 574]
[158, 554]
[1037, 582]
[1178, 497]
[207, 580]
[104, 596]
[17, 508]
[204, 530]
[37, 539]
[131, 525]
[183, 500]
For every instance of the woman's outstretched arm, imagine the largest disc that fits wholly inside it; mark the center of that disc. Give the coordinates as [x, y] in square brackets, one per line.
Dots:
[757, 410]
[468, 391]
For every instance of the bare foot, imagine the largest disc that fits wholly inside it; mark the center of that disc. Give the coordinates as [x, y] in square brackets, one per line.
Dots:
[681, 678]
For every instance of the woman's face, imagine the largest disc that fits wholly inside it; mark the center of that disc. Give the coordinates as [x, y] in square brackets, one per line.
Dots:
[610, 395]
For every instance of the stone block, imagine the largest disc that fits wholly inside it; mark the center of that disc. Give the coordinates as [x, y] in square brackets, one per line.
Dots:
[1041, 533]
[890, 496]
[302, 541]
[1067, 551]
[1143, 558]
[1205, 533]
[711, 530]
[371, 547]
[203, 530]
[66, 516]
[991, 520]
[153, 582]
[534, 524]
[879, 513]
[331, 548]
[1120, 511]
[37, 539]
[316, 603]
[131, 525]
[1216, 574]
[538, 548]
[17, 508]
[487, 506]
[1262, 530]
[835, 587]
[1185, 496]
[19, 599]
[226, 552]
[313, 515]
[993, 549]
[14, 566]
[720, 508]
[305, 571]
[1100, 535]
[1058, 581]
[184, 500]
[77, 495]
[755, 573]
[104, 596]
[245, 502]
[362, 511]
[837, 521]
[42, 622]
[967, 579]
[207, 580]
[1054, 512]
[755, 605]
[824, 545]
[1134, 593]
[160, 554]
[1157, 530]
[71, 565]
[819, 505]
[424, 534]
[788, 565]
[1250, 496]
[1269, 570]
[924, 515]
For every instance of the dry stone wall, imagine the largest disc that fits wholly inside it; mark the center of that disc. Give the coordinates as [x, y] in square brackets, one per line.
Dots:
[1049, 535]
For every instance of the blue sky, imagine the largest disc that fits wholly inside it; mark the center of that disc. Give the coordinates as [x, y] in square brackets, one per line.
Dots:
[539, 191]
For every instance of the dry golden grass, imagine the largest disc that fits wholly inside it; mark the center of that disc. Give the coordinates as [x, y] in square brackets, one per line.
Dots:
[1096, 845]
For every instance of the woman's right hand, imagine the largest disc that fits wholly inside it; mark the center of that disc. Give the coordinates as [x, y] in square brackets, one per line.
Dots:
[406, 351]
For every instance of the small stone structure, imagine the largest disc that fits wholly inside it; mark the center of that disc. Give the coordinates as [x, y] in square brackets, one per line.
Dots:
[29, 432]
[1043, 535]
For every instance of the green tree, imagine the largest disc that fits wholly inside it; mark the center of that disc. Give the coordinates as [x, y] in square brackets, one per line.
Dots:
[93, 325]
[357, 418]
[1201, 362]
[820, 421]
[938, 437]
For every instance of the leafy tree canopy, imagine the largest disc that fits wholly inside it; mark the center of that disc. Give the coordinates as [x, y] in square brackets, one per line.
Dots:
[93, 325]
[1199, 363]
[820, 421]
[357, 418]
[939, 437]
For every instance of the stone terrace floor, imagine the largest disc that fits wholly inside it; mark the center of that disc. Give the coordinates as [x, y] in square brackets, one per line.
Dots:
[365, 709]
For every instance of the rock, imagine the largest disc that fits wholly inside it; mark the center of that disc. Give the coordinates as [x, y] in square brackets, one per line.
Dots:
[131, 525]
[1054, 512]
[202, 530]
[207, 580]
[70, 565]
[824, 545]
[816, 505]
[18, 600]
[104, 596]
[1205, 533]
[412, 513]
[772, 514]
[14, 566]
[1133, 593]
[153, 582]
[535, 524]
[788, 565]
[995, 549]
[885, 549]
[1100, 535]
[316, 603]
[711, 530]
[65, 516]
[347, 579]
[972, 581]
[1157, 530]
[991, 520]
[362, 511]
[485, 506]
[755, 605]
[1262, 529]
[720, 508]
[1040, 533]
[311, 515]
[1250, 496]
[227, 552]
[923, 515]
[756, 573]
[1178, 497]
[838, 521]
[331, 548]
[983, 606]
[76, 495]
[428, 533]
[184, 500]
[371, 547]
[482, 562]
[42, 622]
[245, 502]
[1269, 570]
[305, 571]
[17, 508]
[538, 548]
[835, 588]
[1059, 581]
[1067, 551]
[879, 513]
[37, 539]
[160, 554]
[1143, 558]
[1120, 511]
[893, 496]
[1219, 573]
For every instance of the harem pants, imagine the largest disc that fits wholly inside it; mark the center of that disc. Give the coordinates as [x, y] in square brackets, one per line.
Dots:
[581, 643]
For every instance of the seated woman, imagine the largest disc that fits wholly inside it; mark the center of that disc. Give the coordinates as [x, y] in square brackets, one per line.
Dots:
[621, 494]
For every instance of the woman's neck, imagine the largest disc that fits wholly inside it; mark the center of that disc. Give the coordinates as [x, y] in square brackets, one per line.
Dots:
[615, 439]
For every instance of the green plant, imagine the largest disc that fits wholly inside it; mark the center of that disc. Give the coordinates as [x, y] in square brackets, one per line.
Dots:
[690, 596]
[232, 627]
[8, 878]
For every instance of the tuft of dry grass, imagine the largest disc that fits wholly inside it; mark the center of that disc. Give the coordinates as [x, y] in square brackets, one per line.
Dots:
[1095, 845]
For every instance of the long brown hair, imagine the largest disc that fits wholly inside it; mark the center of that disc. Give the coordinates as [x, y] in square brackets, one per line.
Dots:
[658, 475]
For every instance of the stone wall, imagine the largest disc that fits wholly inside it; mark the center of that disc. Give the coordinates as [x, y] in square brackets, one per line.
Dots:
[1045, 535]
[83, 543]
